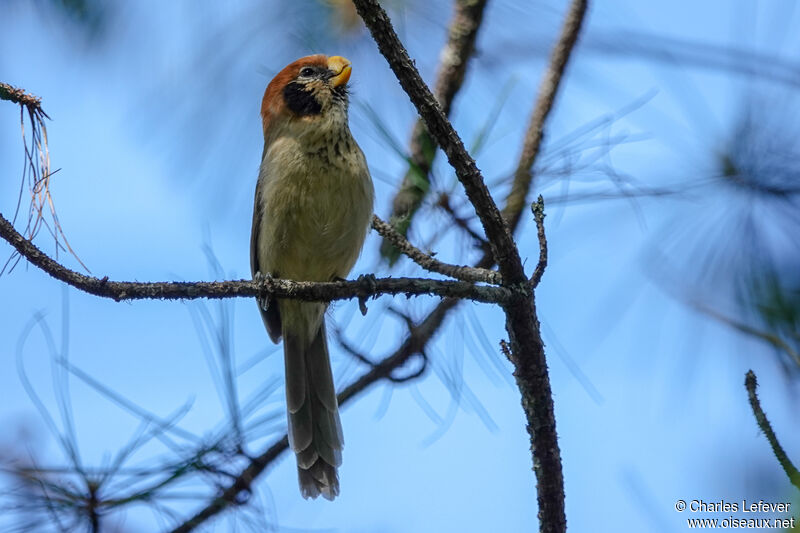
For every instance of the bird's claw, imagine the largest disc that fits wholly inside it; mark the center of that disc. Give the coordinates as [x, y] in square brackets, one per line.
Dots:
[369, 280]
[263, 301]
[371, 283]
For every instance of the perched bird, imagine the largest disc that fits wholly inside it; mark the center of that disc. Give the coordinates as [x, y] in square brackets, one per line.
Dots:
[313, 206]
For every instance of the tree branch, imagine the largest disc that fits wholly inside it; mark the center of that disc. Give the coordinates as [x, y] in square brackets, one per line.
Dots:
[455, 56]
[426, 261]
[463, 224]
[501, 242]
[521, 322]
[301, 290]
[523, 175]
[751, 385]
[19, 96]
[538, 216]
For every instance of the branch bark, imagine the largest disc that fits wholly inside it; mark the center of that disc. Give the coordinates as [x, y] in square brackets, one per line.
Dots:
[532, 143]
[363, 288]
[455, 56]
[19, 96]
[426, 261]
[504, 250]
[522, 325]
[538, 217]
[751, 384]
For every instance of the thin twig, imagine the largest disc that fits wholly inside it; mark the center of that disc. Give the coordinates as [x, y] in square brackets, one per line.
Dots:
[523, 175]
[455, 56]
[462, 223]
[538, 216]
[371, 364]
[301, 290]
[751, 384]
[505, 349]
[426, 261]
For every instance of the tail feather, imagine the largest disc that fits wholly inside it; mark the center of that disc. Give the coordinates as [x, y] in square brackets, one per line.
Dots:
[294, 350]
[315, 430]
[322, 479]
[306, 458]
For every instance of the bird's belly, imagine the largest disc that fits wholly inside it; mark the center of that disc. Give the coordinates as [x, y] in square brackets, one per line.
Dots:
[313, 231]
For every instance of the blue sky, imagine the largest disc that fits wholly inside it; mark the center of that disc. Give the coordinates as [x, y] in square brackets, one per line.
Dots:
[155, 129]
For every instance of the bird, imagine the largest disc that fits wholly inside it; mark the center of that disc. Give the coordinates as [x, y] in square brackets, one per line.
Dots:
[312, 210]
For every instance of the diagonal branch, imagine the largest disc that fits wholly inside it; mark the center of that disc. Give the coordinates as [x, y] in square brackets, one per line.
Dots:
[301, 290]
[462, 223]
[751, 385]
[521, 321]
[523, 175]
[455, 56]
[426, 261]
[501, 242]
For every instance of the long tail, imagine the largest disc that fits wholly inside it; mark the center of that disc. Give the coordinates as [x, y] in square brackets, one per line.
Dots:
[315, 432]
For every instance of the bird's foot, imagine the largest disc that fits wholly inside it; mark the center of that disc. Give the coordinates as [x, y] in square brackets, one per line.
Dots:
[263, 301]
[370, 283]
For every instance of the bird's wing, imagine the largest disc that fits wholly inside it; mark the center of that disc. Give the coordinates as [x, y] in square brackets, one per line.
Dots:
[270, 313]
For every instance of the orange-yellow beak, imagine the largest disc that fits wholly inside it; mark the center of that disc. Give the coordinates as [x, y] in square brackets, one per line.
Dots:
[341, 70]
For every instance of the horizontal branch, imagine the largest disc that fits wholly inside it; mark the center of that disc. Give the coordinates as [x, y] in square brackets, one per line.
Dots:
[426, 261]
[363, 288]
[19, 96]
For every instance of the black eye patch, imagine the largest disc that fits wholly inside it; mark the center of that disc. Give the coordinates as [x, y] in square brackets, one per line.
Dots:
[301, 101]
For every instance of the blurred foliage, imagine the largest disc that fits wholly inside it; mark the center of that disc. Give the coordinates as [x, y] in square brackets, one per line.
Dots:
[735, 251]
[91, 17]
[762, 163]
[780, 306]
[776, 304]
[344, 14]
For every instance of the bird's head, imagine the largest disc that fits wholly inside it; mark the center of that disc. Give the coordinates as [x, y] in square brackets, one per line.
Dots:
[311, 91]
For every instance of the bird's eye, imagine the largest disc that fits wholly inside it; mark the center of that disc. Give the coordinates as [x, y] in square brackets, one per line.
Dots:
[307, 71]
